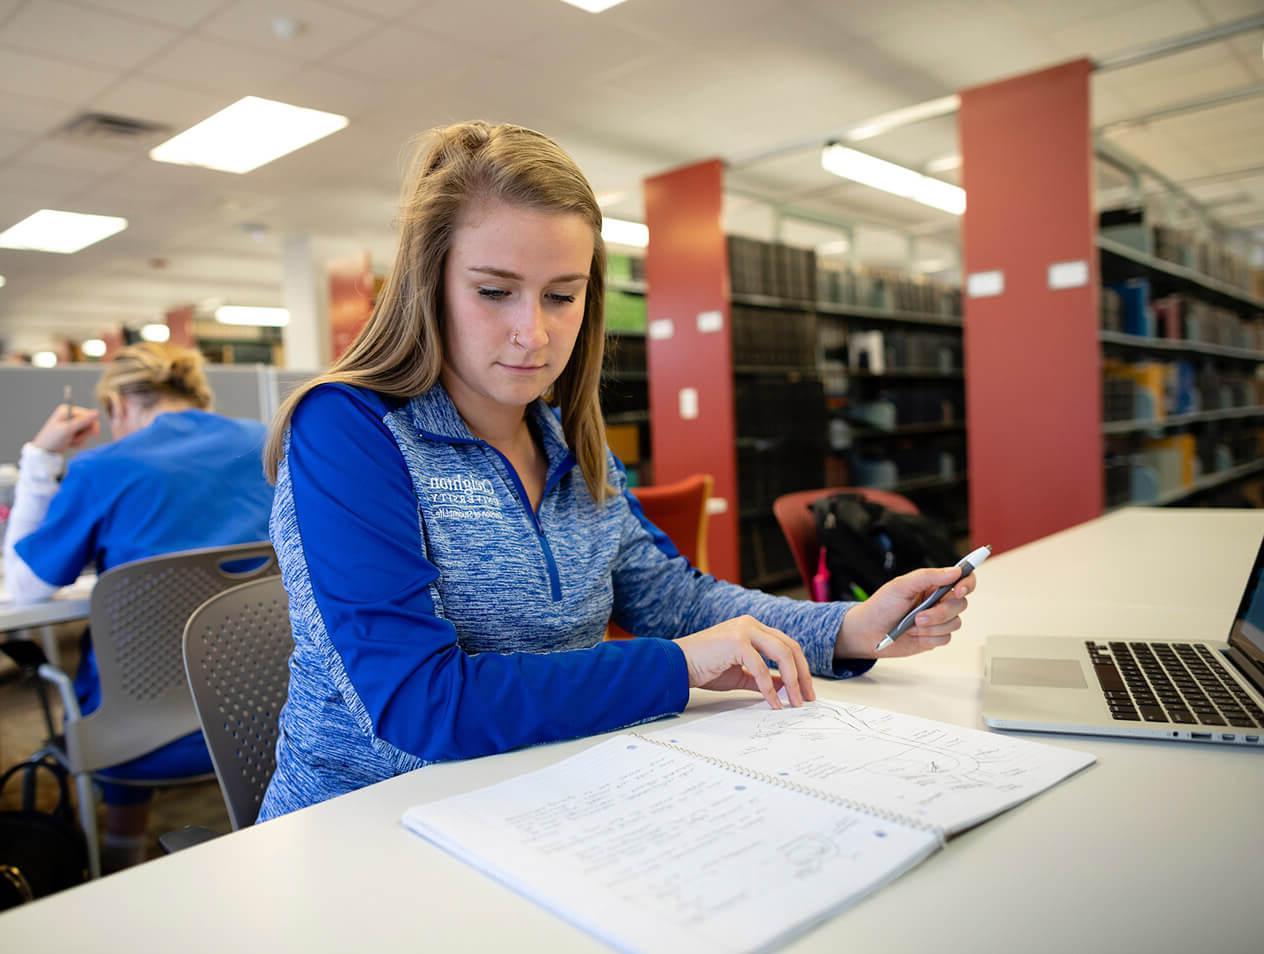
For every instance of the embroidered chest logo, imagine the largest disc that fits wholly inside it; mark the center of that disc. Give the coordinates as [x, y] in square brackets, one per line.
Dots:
[462, 498]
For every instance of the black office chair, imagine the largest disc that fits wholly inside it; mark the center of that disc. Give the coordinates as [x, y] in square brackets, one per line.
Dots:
[236, 654]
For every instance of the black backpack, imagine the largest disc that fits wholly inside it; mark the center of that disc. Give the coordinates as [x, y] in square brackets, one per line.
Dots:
[864, 544]
[40, 852]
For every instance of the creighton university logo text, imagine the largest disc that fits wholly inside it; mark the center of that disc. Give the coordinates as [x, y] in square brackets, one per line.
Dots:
[463, 498]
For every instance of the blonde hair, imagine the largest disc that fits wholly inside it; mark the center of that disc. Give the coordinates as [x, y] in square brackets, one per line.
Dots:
[399, 352]
[147, 373]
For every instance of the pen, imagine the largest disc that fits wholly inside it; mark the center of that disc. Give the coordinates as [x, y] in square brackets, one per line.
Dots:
[968, 565]
[65, 396]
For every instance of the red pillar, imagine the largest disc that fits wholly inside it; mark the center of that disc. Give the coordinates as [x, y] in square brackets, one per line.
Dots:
[687, 271]
[1032, 353]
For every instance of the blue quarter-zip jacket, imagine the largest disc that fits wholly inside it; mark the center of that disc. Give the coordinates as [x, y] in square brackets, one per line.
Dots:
[436, 616]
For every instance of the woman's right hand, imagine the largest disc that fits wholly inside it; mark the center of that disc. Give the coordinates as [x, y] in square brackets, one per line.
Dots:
[731, 656]
[63, 430]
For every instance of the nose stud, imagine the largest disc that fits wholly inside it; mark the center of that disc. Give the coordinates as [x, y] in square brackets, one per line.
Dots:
[514, 339]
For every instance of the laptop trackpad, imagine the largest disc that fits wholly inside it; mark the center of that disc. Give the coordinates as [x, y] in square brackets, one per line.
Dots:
[1051, 673]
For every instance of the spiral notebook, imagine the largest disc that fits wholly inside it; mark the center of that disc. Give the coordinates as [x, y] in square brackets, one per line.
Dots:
[741, 830]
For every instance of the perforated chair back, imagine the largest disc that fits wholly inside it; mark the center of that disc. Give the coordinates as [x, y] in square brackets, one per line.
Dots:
[236, 652]
[798, 525]
[138, 613]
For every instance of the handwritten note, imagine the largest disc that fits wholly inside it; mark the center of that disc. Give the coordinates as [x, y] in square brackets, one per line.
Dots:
[949, 776]
[652, 849]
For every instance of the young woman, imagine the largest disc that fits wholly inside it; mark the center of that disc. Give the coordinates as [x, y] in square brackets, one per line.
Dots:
[175, 477]
[453, 547]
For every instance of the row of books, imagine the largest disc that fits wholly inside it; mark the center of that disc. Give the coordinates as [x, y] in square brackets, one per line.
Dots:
[775, 406]
[783, 271]
[882, 352]
[1200, 253]
[767, 470]
[770, 268]
[768, 337]
[1127, 307]
[1161, 466]
[904, 407]
[1155, 390]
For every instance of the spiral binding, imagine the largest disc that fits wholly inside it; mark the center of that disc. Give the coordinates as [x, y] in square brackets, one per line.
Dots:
[861, 807]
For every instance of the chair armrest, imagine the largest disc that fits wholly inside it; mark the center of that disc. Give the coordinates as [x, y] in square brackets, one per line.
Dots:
[186, 837]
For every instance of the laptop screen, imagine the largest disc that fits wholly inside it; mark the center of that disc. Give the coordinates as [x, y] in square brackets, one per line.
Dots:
[1247, 634]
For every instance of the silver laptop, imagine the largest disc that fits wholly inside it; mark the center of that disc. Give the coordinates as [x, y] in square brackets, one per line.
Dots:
[1189, 691]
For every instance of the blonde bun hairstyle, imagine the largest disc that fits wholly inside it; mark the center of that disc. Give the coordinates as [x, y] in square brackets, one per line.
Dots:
[147, 373]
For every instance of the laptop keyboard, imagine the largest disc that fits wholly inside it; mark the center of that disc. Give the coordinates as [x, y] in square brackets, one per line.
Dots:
[1171, 682]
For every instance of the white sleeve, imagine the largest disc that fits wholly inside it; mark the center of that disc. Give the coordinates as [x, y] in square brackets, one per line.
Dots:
[37, 483]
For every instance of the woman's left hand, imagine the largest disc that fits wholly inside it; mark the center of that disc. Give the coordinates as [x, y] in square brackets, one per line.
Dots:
[866, 623]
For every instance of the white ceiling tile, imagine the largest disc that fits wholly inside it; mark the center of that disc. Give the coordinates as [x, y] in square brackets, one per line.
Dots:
[1224, 11]
[84, 35]
[322, 28]
[12, 142]
[34, 187]
[1113, 32]
[48, 78]
[30, 115]
[139, 97]
[424, 62]
[386, 9]
[200, 63]
[1046, 16]
[319, 88]
[85, 161]
[176, 13]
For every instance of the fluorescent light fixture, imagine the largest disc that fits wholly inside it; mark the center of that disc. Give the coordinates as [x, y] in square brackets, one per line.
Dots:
[49, 230]
[836, 247]
[928, 266]
[248, 315]
[248, 134]
[156, 333]
[593, 6]
[44, 359]
[3, 281]
[93, 348]
[944, 163]
[931, 109]
[887, 176]
[623, 232]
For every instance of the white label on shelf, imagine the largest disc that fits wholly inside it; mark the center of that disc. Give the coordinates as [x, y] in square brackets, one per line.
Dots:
[717, 505]
[985, 284]
[688, 404]
[710, 321]
[661, 329]
[1068, 274]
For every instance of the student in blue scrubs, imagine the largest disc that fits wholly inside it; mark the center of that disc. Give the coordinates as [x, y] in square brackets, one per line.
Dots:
[176, 477]
[454, 534]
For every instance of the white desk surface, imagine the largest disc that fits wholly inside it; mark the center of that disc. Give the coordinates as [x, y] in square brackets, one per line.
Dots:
[68, 604]
[1152, 849]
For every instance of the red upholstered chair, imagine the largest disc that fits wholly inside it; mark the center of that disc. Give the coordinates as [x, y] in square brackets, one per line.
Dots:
[680, 511]
[794, 515]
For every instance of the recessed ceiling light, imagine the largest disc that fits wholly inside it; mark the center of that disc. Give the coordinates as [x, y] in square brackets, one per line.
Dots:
[155, 332]
[887, 176]
[93, 348]
[623, 232]
[44, 359]
[248, 315]
[3, 281]
[50, 230]
[248, 134]
[593, 6]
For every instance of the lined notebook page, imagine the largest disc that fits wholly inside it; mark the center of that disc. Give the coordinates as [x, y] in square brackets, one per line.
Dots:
[934, 772]
[650, 849]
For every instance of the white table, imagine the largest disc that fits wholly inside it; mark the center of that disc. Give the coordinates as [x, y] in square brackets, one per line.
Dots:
[67, 605]
[1159, 847]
